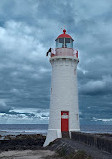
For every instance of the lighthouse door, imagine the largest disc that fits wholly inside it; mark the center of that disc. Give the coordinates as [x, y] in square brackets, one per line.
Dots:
[64, 121]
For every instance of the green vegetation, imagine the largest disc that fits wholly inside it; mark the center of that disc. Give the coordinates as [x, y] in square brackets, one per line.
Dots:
[73, 155]
[62, 152]
[80, 155]
[76, 155]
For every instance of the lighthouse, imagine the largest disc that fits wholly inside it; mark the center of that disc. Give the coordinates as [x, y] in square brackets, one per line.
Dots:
[64, 111]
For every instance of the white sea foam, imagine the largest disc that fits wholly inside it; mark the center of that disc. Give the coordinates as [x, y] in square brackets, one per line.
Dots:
[104, 120]
[17, 132]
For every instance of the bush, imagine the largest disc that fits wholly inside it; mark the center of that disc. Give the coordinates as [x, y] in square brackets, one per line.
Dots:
[62, 152]
[74, 155]
[81, 155]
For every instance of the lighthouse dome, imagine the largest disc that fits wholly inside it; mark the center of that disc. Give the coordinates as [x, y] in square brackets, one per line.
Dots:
[64, 40]
[64, 35]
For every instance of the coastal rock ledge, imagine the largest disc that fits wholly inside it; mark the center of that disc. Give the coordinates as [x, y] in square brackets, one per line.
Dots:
[80, 146]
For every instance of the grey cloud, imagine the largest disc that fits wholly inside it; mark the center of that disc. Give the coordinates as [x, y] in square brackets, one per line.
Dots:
[29, 28]
[4, 108]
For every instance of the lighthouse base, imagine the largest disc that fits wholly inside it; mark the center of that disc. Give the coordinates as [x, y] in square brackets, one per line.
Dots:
[54, 134]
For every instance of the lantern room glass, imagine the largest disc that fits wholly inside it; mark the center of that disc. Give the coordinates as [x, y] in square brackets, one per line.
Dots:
[64, 43]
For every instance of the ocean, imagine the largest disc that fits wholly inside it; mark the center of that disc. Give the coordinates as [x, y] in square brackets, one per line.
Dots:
[16, 129]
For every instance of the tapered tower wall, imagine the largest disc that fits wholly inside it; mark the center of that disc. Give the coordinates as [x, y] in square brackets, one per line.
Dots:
[64, 95]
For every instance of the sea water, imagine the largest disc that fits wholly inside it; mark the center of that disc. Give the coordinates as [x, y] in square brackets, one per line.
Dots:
[15, 129]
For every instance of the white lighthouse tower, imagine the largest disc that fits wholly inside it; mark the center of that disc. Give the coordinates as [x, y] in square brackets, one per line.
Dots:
[64, 112]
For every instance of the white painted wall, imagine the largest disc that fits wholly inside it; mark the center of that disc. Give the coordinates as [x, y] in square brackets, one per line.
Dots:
[64, 95]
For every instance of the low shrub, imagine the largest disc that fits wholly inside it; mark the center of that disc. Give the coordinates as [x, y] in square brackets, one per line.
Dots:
[74, 155]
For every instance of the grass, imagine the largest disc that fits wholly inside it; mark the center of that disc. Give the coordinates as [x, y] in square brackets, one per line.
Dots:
[80, 155]
[76, 155]
[73, 155]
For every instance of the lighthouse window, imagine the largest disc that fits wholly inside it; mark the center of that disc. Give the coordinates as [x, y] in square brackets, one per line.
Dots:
[67, 40]
[60, 42]
[64, 42]
[68, 43]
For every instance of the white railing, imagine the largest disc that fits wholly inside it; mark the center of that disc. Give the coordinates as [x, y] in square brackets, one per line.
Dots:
[64, 52]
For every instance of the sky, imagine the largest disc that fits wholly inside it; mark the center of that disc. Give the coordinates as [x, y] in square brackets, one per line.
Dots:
[28, 28]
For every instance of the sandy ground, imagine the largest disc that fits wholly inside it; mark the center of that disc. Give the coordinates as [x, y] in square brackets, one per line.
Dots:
[26, 154]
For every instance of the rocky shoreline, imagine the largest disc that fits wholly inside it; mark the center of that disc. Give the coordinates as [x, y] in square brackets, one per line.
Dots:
[26, 144]
[22, 142]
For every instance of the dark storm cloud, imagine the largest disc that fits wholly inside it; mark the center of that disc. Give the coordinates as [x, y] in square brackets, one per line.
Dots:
[4, 108]
[28, 29]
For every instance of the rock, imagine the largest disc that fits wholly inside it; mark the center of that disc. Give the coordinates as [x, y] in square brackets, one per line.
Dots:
[22, 142]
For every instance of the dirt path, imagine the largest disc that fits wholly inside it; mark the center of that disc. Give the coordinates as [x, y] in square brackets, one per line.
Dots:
[26, 154]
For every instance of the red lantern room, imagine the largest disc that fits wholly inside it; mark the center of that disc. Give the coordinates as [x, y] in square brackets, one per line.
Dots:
[64, 46]
[64, 41]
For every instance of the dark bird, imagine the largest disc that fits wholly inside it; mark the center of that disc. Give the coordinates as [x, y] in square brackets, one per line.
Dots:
[48, 52]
